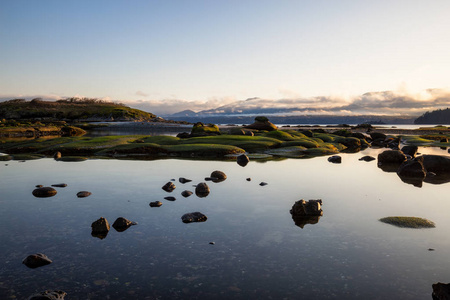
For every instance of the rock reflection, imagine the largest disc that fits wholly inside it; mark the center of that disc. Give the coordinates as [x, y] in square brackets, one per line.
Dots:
[306, 212]
[302, 221]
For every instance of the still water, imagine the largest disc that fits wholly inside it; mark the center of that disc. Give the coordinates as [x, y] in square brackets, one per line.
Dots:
[258, 251]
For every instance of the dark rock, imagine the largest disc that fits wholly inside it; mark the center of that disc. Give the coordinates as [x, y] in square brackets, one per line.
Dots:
[202, 190]
[210, 178]
[219, 176]
[186, 194]
[155, 204]
[36, 260]
[44, 192]
[335, 159]
[184, 180]
[212, 243]
[441, 291]
[242, 160]
[412, 171]
[169, 187]
[48, 295]
[436, 163]
[193, 217]
[391, 157]
[183, 135]
[444, 140]
[307, 133]
[100, 228]
[377, 136]
[170, 198]
[307, 208]
[83, 194]
[61, 185]
[367, 158]
[301, 221]
[410, 150]
[57, 155]
[263, 183]
[39, 185]
[122, 224]
[248, 179]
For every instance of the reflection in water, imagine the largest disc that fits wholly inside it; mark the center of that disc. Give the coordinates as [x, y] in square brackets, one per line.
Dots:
[302, 221]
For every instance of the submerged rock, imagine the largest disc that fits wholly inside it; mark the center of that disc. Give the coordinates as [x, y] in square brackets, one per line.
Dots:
[36, 260]
[202, 190]
[219, 176]
[83, 194]
[184, 180]
[61, 185]
[44, 192]
[155, 204]
[441, 291]
[193, 217]
[122, 224]
[186, 193]
[335, 159]
[242, 160]
[48, 295]
[100, 228]
[169, 187]
[408, 222]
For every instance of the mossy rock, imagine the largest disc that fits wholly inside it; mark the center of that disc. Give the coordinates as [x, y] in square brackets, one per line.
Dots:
[5, 157]
[72, 131]
[200, 129]
[161, 140]
[280, 135]
[27, 156]
[134, 149]
[249, 143]
[408, 222]
[290, 152]
[415, 140]
[202, 150]
[325, 137]
[306, 142]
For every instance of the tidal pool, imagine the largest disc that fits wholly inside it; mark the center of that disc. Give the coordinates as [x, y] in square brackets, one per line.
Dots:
[257, 253]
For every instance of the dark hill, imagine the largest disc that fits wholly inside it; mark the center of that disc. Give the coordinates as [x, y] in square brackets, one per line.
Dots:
[73, 109]
[440, 116]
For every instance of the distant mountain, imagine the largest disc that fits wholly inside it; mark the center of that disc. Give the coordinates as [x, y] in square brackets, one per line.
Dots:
[79, 109]
[440, 116]
[184, 113]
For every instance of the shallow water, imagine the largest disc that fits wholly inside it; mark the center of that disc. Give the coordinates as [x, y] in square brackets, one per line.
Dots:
[258, 253]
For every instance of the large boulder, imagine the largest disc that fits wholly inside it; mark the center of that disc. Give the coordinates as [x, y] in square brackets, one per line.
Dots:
[441, 291]
[202, 190]
[391, 157]
[262, 123]
[100, 228]
[36, 260]
[193, 217]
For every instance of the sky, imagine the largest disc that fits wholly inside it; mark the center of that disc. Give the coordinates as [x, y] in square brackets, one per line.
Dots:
[171, 55]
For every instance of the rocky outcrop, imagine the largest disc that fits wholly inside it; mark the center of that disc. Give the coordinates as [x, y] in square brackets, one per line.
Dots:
[48, 295]
[44, 192]
[36, 260]
[100, 228]
[193, 217]
[202, 190]
[262, 123]
[122, 224]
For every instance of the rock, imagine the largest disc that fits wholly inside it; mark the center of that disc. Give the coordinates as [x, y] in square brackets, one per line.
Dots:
[202, 190]
[307, 208]
[57, 155]
[184, 180]
[410, 150]
[200, 129]
[367, 158]
[263, 183]
[155, 204]
[48, 295]
[262, 123]
[408, 222]
[169, 187]
[186, 193]
[183, 135]
[83, 194]
[39, 185]
[100, 228]
[248, 179]
[412, 171]
[170, 198]
[36, 260]
[122, 224]
[301, 221]
[193, 217]
[377, 136]
[444, 140]
[44, 192]
[436, 163]
[212, 243]
[391, 157]
[210, 178]
[335, 159]
[219, 176]
[61, 185]
[441, 291]
[242, 160]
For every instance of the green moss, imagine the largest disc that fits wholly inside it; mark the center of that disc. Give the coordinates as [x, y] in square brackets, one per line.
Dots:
[134, 148]
[305, 142]
[280, 135]
[27, 156]
[249, 143]
[200, 129]
[5, 157]
[291, 152]
[210, 150]
[415, 140]
[328, 138]
[408, 222]
[161, 140]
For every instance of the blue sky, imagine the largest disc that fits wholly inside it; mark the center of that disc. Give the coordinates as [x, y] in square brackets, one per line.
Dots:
[215, 52]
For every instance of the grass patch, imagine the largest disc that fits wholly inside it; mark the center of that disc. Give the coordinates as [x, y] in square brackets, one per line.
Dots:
[210, 150]
[408, 222]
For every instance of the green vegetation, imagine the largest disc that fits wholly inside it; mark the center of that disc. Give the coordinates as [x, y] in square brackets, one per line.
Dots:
[440, 116]
[408, 222]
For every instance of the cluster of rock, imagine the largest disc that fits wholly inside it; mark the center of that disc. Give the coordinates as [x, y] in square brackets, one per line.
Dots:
[415, 169]
[100, 227]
